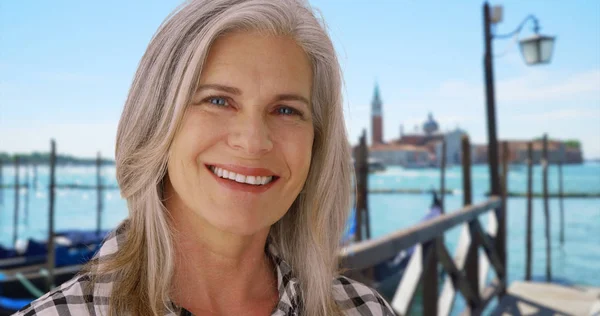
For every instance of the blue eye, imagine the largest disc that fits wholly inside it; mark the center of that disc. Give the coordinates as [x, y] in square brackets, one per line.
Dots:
[219, 101]
[287, 111]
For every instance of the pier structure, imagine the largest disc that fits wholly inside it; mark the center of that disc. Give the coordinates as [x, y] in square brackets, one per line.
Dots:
[465, 273]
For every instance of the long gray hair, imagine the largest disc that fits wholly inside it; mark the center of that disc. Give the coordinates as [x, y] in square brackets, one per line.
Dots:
[308, 235]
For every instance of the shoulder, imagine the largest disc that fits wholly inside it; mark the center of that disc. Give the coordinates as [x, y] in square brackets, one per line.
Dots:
[71, 298]
[355, 298]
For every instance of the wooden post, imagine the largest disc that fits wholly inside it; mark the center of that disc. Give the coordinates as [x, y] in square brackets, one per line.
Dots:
[28, 187]
[490, 102]
[51, 250]
[361, 178]
[1, 184]
[443, 177]
[505, 159]
[35, 177]
[99, 194]
[501, 214]
[365, 185]
[472, 260]
[562, 209]
[546, 208]
[528, 239]
[466, 169]
[500, 243]
[430, 280]
[16, 216]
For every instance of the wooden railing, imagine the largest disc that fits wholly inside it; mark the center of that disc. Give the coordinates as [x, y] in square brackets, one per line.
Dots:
[427, 238]
[466, 273]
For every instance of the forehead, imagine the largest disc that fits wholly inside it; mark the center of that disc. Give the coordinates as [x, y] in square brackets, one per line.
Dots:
[250, 60]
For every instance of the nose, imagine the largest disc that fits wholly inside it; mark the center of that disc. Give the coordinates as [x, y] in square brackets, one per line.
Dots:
[250, 134]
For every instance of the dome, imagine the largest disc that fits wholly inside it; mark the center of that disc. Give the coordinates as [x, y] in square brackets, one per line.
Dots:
[430, 126]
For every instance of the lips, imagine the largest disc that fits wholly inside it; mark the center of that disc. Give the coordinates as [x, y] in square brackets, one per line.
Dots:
[240, 178]
[248, 180]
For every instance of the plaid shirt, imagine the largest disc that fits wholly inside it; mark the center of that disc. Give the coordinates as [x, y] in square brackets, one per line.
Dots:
[74, 298]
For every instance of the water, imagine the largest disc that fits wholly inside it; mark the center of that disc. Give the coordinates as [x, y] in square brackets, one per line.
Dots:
[74, 208]
[577, 261]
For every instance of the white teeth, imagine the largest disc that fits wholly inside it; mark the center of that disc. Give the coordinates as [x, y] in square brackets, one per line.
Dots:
[254, 180]
[240, 178]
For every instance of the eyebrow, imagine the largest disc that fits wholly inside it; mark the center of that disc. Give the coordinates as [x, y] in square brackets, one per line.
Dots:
[236, 91]
[227, 89]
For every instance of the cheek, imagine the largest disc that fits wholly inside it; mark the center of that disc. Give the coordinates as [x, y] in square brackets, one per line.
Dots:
[297, 147]
[197, 133]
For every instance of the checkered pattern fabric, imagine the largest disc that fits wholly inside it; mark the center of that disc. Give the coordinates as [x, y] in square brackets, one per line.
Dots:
[75, 298]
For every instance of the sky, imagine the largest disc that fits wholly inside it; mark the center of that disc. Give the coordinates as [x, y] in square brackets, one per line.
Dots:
[66, 67]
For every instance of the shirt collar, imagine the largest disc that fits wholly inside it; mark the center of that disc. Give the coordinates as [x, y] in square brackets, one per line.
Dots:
[287, 284]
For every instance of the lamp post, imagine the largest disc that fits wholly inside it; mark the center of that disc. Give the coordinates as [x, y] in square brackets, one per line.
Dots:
[536, 49]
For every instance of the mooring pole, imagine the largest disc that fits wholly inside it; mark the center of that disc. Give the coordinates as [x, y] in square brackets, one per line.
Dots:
[99, 194]
[16, 215]
[545, 163]
[51, 250]
[443, 177]
[528, 239]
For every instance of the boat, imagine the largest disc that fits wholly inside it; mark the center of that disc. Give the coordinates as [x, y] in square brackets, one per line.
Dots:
[72, 247]
[17, 289]
[23, 271]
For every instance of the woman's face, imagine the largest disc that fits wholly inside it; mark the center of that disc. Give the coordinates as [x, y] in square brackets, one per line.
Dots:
[243, 151]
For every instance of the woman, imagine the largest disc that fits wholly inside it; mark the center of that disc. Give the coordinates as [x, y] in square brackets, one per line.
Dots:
[233, 157]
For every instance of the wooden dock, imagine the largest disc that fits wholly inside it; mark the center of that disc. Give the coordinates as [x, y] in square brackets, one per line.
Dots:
[466, 271]
[532, 298]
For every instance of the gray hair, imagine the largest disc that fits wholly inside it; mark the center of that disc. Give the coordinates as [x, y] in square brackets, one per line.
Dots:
[309, 234]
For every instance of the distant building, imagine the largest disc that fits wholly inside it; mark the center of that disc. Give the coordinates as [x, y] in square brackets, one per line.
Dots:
[376, 118]
[406, 155]
[430, 126]
[418, 149]
[402, 155]
[558, 151]
[573, 155]
[453, 141]
[431, 138]
[479, 154]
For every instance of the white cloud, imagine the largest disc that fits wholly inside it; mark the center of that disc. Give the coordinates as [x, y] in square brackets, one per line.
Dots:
[536, 85]
[560, 114]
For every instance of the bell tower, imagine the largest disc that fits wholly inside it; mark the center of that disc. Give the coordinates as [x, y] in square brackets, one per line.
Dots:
[376, 118]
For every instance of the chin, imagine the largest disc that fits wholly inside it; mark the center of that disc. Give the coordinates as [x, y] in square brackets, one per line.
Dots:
[241, 222]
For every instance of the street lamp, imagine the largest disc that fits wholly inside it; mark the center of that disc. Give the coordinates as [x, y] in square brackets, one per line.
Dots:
[536, 50]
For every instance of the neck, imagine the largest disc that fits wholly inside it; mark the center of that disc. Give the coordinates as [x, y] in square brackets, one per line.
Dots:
[215, 268]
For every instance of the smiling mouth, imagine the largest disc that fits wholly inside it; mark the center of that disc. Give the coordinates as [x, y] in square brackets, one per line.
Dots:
[241, 178]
